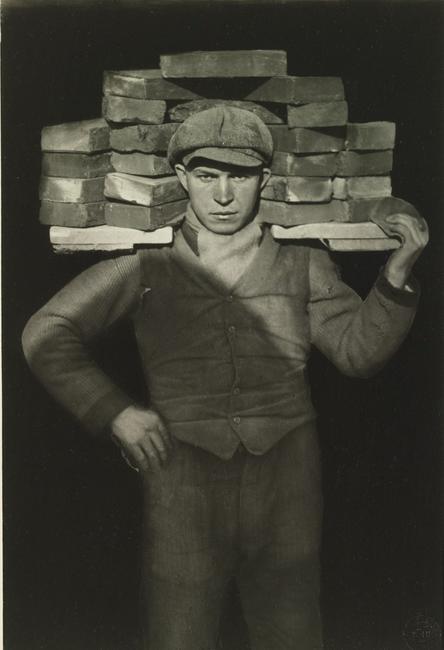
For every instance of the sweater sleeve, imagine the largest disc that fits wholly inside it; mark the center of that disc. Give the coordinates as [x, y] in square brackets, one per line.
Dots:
[358, 336]
[55, 339]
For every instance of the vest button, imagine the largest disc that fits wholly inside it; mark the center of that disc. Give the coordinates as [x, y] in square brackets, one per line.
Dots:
[236, 391]
[231, 329]
[230, 298]
[236, 419]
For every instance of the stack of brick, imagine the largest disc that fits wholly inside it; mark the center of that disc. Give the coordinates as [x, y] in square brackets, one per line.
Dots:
[76, 159]
[325, 169]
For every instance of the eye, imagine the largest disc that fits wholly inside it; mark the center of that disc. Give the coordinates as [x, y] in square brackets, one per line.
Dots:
[239, 179]
[206, 178]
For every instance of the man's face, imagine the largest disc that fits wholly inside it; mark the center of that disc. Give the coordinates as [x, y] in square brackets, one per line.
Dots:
[224, 197]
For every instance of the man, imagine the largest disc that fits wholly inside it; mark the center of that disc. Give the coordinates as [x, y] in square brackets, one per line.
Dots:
[227, 449]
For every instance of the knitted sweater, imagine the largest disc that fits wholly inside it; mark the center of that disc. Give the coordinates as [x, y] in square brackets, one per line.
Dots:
[222, 366]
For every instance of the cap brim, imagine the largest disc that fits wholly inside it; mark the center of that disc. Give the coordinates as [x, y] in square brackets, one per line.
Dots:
[224, 155]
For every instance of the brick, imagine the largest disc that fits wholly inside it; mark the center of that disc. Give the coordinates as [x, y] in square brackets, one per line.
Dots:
[370, 136]
[149, 84]
[286, 214]
[76, 165]
[240, 63]
[143, 191]
[331, 230]
[142, 137]
[74, 215]
[105, 238]
[377, 209]
[307, 140]
[295, 189]
[144, 218]
[298, 90]
[141, 164]
[83, 137]
[273, 115]
[355, 245]
[360, 163]
[289, 164]
[127, 109]
[127, 83]
[71, 190]
[318, 114]
[362, 187]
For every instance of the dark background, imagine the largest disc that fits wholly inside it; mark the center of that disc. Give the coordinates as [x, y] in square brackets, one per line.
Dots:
[71, 506]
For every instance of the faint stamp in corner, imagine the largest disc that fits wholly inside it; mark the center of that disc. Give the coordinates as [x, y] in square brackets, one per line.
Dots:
[422, 632]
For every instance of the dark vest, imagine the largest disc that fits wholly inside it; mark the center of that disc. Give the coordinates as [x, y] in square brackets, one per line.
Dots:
[226, 366]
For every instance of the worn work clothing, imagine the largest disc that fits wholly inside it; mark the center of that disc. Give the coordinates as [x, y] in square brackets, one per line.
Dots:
[223, 365]
[254, 517]
[225, 361]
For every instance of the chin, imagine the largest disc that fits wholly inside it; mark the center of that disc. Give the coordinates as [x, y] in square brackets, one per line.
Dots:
[225, 228]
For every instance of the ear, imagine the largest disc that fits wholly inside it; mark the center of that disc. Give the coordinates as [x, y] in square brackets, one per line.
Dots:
[182, 176]
[266, 174]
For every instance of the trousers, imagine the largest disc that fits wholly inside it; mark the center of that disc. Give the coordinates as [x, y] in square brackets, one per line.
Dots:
[256, 519]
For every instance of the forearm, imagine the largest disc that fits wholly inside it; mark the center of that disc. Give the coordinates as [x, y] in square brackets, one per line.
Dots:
[378, 328]
[359, 337]
[56, 341]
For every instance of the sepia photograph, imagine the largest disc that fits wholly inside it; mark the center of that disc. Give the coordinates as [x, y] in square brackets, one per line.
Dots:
[222, 324]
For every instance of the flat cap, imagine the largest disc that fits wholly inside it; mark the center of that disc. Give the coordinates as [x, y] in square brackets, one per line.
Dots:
[224, 133]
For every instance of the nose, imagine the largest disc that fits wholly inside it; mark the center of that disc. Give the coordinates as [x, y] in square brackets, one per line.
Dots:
[223, 191]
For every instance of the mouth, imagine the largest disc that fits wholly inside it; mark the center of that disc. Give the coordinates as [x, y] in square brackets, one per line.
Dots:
[223, 215]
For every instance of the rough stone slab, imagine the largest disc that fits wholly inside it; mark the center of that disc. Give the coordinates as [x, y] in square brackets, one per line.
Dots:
[364, 163]
[318, 114]
[141, 164]
[106, 238]
[143, 191]
[372, 136]
[378, 209]
[130, 110]
[307, 140]
[296, 189]
[71, 190]
[270, 116]
[73, 215]
[362, 187]
[287, 214]
[234, 63]
[76, 165]
[84, 137]
[146, 138]
[289, 164]
[144, 218]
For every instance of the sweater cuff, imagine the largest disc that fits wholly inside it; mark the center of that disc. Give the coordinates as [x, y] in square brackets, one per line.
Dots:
[99, 417]
[405, 297]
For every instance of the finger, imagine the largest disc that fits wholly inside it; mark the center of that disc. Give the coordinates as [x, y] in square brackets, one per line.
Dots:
[136, 456]
[407, 234]
[160, 446]
[128, 462]
[151, 454]
[415, 225]
[166, 436]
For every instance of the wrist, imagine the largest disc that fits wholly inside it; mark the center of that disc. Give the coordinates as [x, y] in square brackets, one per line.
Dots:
[395, 277]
